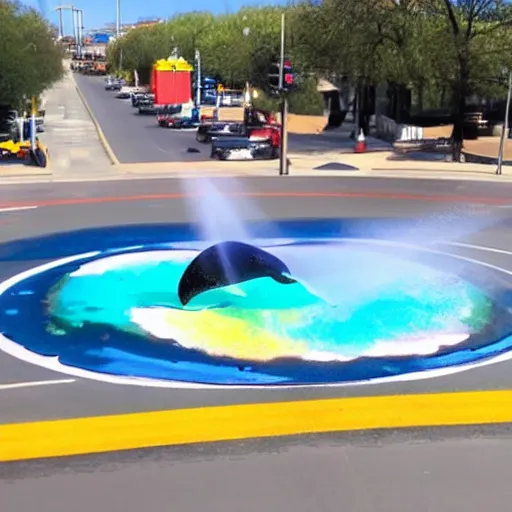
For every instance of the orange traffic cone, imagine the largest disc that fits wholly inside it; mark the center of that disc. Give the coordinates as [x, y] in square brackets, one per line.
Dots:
[360, 146]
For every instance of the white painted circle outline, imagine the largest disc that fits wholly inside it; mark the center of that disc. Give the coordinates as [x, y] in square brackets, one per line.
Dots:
[52, 363]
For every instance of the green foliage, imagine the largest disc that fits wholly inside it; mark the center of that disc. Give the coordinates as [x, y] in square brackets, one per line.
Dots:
[266, 102]
[30, 59]
[303, 101]
[412, 42]
[306, 100]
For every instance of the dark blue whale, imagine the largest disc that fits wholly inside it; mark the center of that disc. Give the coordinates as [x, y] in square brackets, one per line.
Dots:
[229, 263]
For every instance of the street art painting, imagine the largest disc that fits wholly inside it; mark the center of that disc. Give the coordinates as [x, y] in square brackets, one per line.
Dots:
[313, 306]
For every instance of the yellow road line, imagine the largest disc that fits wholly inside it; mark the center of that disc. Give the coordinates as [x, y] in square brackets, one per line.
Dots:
[164, 428]
[101, 135]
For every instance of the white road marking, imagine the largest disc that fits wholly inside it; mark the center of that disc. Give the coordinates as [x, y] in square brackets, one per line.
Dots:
[477, 247]
[17, 209]
[30, 384]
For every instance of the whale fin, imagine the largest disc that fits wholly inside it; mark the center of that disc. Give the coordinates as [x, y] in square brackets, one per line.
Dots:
[229, 263]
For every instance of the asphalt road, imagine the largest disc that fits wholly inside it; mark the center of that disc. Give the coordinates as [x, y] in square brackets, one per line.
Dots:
[66, 207]
[443, 469]
[447, 470]
[136, 138]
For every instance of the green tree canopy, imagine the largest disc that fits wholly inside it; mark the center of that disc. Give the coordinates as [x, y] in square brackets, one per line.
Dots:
[460, 48]
[30, 58]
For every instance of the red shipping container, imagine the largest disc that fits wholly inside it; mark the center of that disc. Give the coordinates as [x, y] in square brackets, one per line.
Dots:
[171, 82]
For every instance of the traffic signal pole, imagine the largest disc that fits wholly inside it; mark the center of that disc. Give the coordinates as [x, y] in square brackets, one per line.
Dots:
[283, 149]
[504, 133]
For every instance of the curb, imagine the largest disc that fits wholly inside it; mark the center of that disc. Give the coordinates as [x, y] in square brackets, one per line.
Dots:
[11, 175]
[110, 152]
[122, 176]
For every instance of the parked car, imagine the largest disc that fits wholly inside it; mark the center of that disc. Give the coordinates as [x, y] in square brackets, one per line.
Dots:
[247, 148]
[124, 93]
[113, 84]
[138, 97]
[148, 107]
[255, 120]
[181, 116]
[163, 114]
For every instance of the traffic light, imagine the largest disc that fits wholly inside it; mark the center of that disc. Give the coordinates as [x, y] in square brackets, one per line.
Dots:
[288, 78]
[274, 76]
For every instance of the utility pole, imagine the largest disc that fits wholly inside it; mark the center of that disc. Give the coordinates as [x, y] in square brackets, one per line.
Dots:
[81, 12]
[283, 150]
[504, 133]
[75, 27]
[118, 18]
[61, 23]
[79, 28]
[71, 8]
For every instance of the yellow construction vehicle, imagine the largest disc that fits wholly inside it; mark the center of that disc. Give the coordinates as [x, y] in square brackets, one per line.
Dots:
[13, 146]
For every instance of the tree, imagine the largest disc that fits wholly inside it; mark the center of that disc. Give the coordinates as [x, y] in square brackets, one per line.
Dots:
[240, 47]
[474, 47]
[30, 58]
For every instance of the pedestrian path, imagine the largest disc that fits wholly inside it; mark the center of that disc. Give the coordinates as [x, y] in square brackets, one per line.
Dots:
[376, 164]
[333, 140]
[70, 134]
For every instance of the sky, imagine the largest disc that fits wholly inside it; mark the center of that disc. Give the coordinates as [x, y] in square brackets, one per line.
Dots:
[99, 12]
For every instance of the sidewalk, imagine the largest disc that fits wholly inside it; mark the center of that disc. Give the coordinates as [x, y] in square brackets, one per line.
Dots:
[70, 134]
[338, 139]
[255, 169]
[377, 164]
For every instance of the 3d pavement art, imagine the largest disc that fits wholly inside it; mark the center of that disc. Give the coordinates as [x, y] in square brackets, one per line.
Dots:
[320, 303]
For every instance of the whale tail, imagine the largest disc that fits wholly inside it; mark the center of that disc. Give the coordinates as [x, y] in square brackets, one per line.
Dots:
[230, 263]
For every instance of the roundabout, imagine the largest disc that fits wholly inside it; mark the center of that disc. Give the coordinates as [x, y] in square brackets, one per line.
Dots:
[351, 310]
[148, 301]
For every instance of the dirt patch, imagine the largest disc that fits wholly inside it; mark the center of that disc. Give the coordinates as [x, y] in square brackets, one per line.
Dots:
[438, 132]
[306, 125]
[488, 147]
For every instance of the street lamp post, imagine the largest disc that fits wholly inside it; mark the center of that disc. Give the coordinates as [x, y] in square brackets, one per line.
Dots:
[79, 27]
[198, 78]
[61, 23]
[118, 18]
[81, 12]
[74, 14]
[504, 132]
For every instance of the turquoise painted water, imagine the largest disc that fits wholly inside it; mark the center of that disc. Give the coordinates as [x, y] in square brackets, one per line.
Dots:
[346, 304]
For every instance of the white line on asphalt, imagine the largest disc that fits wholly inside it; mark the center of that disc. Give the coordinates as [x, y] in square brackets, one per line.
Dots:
[477, 247]
[35, 384]
[17, 209]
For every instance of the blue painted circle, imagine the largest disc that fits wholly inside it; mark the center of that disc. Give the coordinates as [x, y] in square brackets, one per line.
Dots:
[361, 310]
